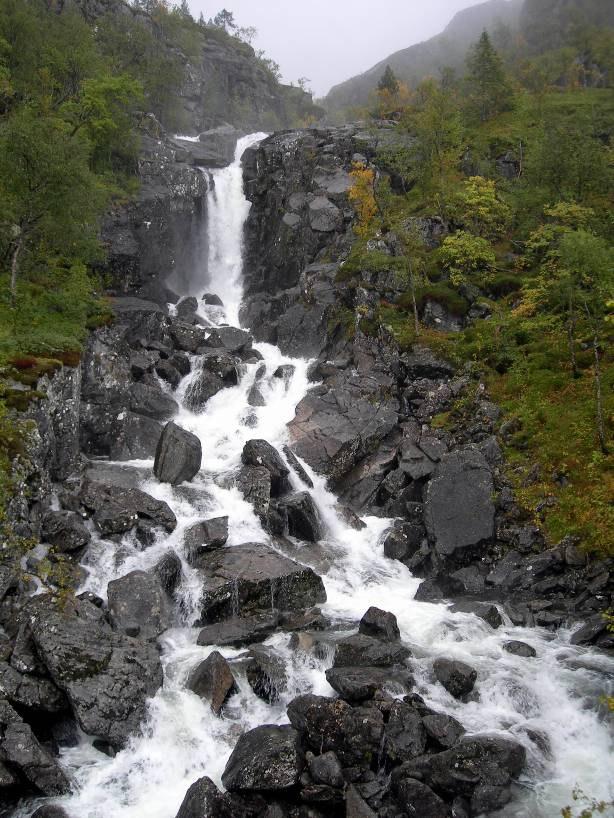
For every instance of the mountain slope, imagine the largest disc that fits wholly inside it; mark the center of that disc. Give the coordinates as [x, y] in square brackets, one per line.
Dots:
[446, 49]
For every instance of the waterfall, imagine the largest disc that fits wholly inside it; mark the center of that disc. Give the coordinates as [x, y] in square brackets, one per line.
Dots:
[183, 740]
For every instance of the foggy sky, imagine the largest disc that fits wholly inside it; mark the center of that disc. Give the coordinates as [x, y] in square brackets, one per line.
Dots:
[329, 41]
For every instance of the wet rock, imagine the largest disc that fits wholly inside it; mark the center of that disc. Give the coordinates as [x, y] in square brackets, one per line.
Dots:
[254, 483]
[380, 624]
[23, 655]
[266, 674]
[487, 799]
[405, 736]
[65, 530]
[590, 631]
[484, 610]
[354, 734]
[106, 676]
[457, 677]
[366, 651]
[212, 300]
[285, 372]
[203, 800]
[178, 455]
[117, 509]
[255, 397]
[168, 373]
[212, 680]
[422, 363]
[356, 806]
[230, 338]
[168, 570]
[21, 752]
[181, 363]
[203, 537]
[357, 684]
[186, 337]
[253, 578]
[297, 467]
[416, 799]
[303, 518]
[520, 649]
[259, 453]
[349, 517]
[444, 730]
[459, 508]
[152, 402]
[218, 370]
[325, 769]
[239, 631]
[32, 692]
[50, 811]
[265, 759]
[186, 309]
[135, 437]
[403, 540]
[138, 601]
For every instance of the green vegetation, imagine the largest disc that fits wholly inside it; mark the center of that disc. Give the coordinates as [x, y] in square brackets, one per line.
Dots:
[521, 172]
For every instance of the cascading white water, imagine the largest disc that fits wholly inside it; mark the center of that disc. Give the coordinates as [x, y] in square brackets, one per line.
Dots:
[553, 694]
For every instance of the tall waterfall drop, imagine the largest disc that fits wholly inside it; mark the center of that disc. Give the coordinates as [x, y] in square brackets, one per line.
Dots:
[182, 740]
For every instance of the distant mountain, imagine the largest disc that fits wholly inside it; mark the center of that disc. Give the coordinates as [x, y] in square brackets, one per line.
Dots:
[547, 24]
[449, 48]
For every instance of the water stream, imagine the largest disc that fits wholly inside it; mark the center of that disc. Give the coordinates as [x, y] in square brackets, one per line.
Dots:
[553, 695]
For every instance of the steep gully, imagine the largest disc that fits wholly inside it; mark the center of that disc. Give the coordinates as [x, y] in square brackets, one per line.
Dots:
[538, 701]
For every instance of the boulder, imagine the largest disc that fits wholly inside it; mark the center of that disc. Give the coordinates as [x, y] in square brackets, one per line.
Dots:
[138, 605]
[520, 649]
[50, 811]
[356, 806]
[416, 799]
[168, 570]
[34, 693]
[212, 300]
[265, 759]
[178, 455]
[297, 467]
[204, 800]
[253, 578]
[65, 531]
[239, 631]
[367, 651]
[106, 676]
[405, 735]
[167, 372]
[325, 769]
[303, 518]
[218, 370]
[186, 337]
[403, 540]
[285, 372]
[255, 397]
[354, 734]
[324, 216]
[117, 509]
[254, 483]
[186, 309]
[590, 631]
[212, 680]
[459, 509]
[21, 754]
[152, 402]
[457, 677]
[484, 610]
[266, 674]
[203, 537]
[230, 338]
[357, 684]
[380, 625]
[442, 729]
[134, 437]
[181, 363]
[259, 453]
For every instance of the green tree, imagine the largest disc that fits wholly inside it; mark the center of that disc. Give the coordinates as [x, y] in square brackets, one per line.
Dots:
[225, 19]
[463, 255]
[481, 210]
[389, 82]
[489, 90]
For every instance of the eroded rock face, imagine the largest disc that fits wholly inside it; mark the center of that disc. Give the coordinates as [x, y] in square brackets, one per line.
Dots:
[106, 676]
[252, 578]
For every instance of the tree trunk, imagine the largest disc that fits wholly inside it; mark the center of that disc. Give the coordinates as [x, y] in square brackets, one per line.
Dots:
[15, 265]
[598, 397]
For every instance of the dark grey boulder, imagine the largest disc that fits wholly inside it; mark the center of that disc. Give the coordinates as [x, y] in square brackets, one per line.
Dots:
[254, 483]
[380, 624]
[212, 680]
[117, 509]
[422, 363]
[520, 649]
[484, 610]
[405, 735]
[181, 363]
[50, 811]
[186, 309]
[285, 372]
[459, 510]
[457, 677]
[266, 674]
[253, 578]
[357, 684]
[218, 370]
[255, 397]
[134, 437]
[168, 373]
[325, 769]
[403, 540]
[204, 800]
[106, 676]
[152, 402]
[354, 734]
[168, 570]
[356, 806]
[259, 453]
[137, 601]
[297, 467]
[203, 537]
[367, 651]
[487, 799]
[186, 337]
[303, 518]
[24, 690]
[230, 338]
[265, 759]
[65, 530]
[21, 753]
[416, 799]
[212, 300]
[239, 631]
[178, 455]
[23, 656]
[442, 729]
[590, 631]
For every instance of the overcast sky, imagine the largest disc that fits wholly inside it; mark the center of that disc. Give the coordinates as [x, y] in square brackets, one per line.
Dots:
[331, 40]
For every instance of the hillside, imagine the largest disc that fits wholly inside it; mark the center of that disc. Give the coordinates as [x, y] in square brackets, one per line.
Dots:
[412, 64]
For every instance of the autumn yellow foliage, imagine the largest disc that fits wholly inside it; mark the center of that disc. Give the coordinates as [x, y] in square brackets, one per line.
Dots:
[362, 196]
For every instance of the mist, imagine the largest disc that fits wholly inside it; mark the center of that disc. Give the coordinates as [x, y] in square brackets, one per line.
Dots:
[328, 41]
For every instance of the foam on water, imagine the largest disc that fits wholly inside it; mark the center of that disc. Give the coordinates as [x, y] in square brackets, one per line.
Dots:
[554, 695]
